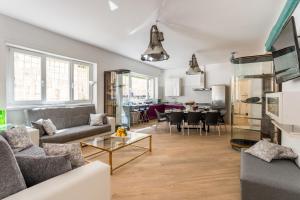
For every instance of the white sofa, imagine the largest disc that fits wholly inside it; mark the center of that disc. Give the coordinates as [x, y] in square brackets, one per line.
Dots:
[89, 182]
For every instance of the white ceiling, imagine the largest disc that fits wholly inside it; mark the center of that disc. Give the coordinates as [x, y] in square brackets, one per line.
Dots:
[211, 28]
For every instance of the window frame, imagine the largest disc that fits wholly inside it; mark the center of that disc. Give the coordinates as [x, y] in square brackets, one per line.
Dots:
[90, 80]
[10, 79]
[147, 78]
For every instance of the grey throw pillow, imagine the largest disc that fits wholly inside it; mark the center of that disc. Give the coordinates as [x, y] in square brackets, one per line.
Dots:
[49, 127]
[38, 169]
[74, 150]
[268, 151]
[286, 153]
[18, 138]
[105, 119]
[39, 126]
[11, 178]
[96, 119]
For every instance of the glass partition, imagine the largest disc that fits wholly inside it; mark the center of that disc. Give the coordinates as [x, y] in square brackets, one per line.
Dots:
[250, 83]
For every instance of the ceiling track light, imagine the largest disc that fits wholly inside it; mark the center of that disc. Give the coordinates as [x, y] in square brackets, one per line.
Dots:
[155, 50]
[194, 67]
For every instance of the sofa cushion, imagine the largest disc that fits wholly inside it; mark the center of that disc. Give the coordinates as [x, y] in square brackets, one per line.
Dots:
[57, 115]
[75, 133]
[79, 116]
[39, 126]
[11, 178]
[281, 175]
[32, 151]
[18, 138]
[37, 169]
[73, 150]
[96, 119]
[49, 127]
[268, 151]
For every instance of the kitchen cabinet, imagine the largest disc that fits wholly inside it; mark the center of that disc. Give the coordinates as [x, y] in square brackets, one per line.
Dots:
[173, 87]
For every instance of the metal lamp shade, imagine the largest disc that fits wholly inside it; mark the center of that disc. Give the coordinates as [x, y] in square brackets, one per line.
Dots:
[155, 50]
[194, 67]
[191, 71]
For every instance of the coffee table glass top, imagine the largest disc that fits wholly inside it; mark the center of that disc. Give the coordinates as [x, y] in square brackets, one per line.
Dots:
[112, 143]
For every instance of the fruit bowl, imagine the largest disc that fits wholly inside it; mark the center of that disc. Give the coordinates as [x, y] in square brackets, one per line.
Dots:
[121, 132]
[117, 136]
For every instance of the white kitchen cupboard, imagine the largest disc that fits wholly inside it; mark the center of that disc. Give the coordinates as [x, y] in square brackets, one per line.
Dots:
[173, 87]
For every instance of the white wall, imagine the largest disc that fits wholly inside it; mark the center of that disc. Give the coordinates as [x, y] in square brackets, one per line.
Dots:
[292, 141]
[216, 74]
[23, 34]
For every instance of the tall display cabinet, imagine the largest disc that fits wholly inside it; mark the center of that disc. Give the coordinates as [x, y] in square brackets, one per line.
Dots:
[114, 96]
[253, 78]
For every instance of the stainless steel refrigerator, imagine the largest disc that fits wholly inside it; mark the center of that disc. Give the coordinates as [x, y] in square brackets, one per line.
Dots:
[218, 96]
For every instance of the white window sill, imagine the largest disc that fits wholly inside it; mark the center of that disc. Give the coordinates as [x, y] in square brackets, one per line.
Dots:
[22, 107]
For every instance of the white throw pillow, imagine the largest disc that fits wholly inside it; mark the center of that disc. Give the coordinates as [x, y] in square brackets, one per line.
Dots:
[49, 127]
[96, 119]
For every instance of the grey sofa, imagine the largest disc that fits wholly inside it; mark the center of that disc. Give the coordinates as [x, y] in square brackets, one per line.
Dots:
[72, 123]
[260, 180]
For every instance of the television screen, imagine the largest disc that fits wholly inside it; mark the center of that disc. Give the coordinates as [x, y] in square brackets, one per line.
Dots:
[285, 53]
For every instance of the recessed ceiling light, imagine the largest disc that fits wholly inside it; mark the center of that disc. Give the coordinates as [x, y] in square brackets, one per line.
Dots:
[112, 5]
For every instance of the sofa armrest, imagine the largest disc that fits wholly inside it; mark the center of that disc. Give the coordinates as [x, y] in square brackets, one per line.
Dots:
[91, 182]
[34, 135]
[112, 122]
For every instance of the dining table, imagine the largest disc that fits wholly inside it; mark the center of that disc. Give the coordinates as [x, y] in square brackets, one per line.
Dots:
[185, 113]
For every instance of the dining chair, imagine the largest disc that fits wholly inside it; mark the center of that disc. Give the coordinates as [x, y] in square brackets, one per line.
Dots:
[161, 117]
[146, 116]
[212, 119]
[221, 118]
[194, 120]
[176, 118]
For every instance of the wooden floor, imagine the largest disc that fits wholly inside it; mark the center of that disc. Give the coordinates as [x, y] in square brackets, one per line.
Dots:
[179, 168]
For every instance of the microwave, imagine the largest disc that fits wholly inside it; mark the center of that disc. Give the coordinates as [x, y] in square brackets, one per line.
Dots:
[284, 107]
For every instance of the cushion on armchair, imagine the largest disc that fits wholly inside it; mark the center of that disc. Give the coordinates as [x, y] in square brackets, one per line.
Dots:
[73, 150]
[18, 138]
[11, 180]
[36, 169]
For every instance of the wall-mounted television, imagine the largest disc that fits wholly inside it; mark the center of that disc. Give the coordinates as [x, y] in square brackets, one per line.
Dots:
[285, 52]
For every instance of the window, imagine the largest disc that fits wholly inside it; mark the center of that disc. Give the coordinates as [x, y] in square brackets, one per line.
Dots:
[81, 82]
[41, 78]
[27, 77]
[139, 87]
[57, 80]
[142, 87]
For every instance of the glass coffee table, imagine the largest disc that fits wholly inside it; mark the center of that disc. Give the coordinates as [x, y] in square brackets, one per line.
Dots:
[112, 143]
